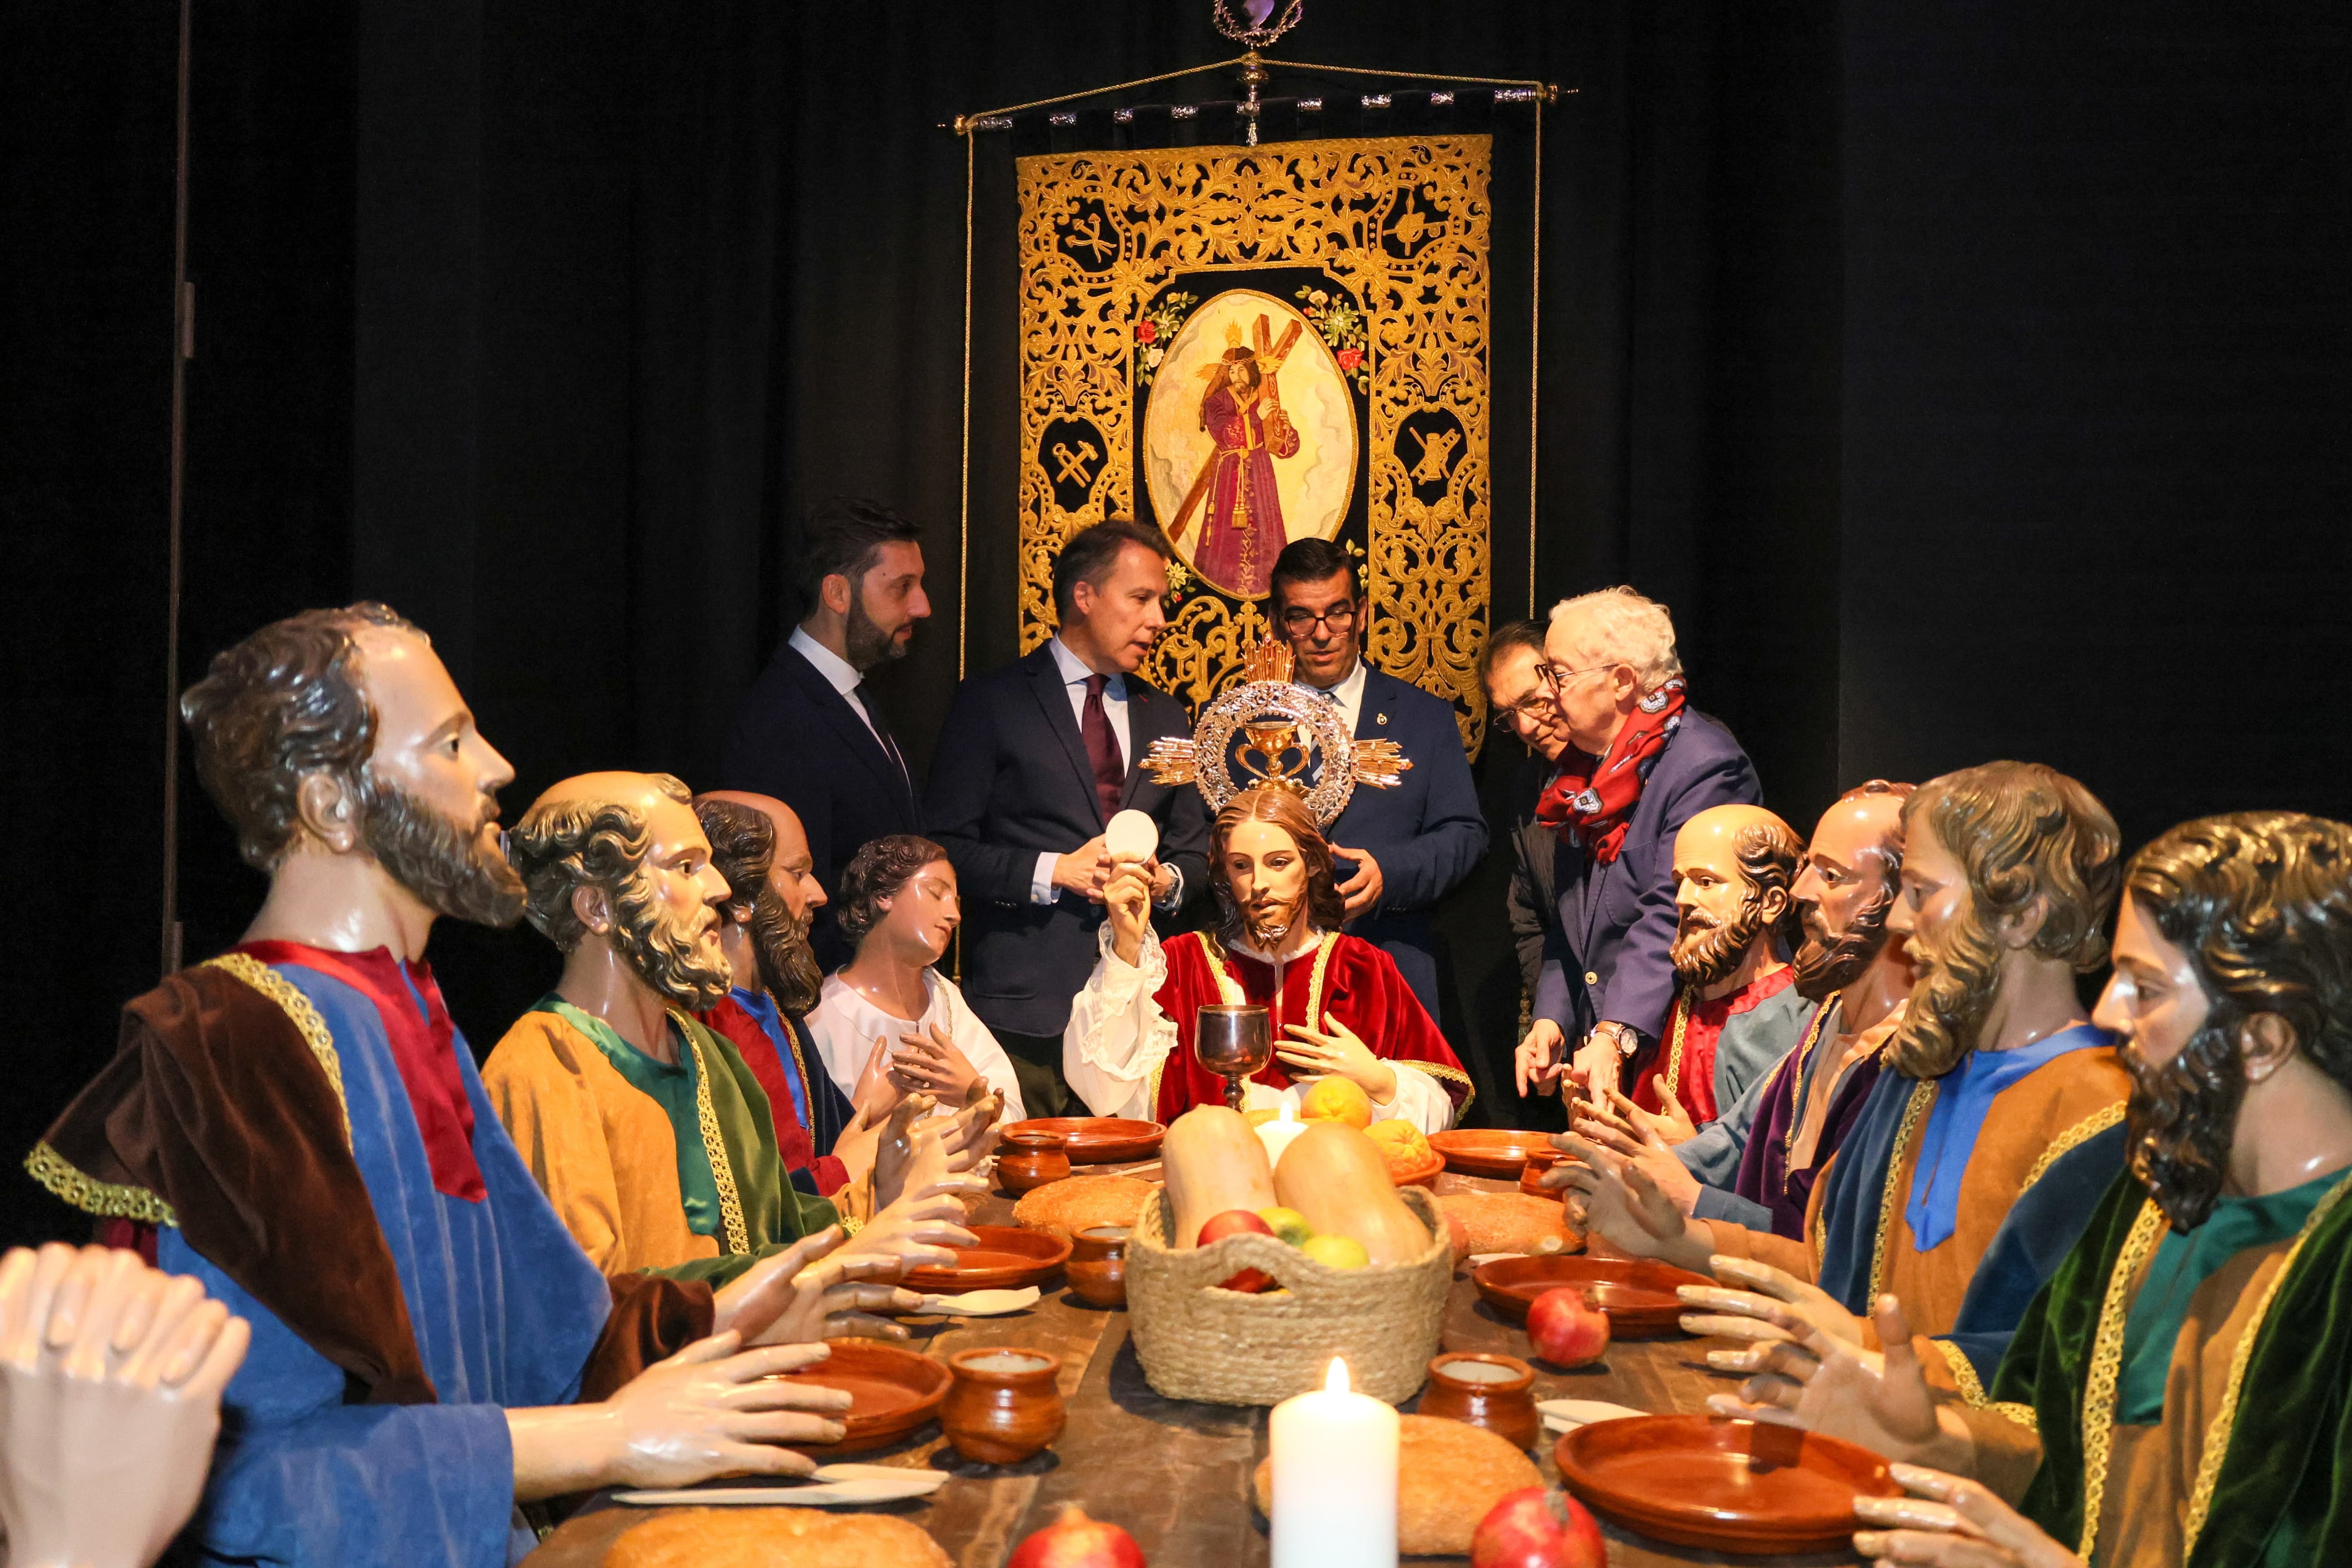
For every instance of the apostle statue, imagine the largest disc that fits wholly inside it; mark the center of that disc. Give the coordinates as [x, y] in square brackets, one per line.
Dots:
[2177, 1394]
[1127, 1050]
[1974, 1164]
[301, 1126]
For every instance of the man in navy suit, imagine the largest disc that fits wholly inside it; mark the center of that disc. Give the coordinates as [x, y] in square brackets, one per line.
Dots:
[1408, 846]
[1638, 765]
[1034, 759]
[811, 731]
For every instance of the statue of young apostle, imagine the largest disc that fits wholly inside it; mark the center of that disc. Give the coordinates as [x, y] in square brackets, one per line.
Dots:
[2177, 1394]
[1756, 1163]
[1974, 1164]
[646, 1128]
[1127, 1050]
[302, 1124]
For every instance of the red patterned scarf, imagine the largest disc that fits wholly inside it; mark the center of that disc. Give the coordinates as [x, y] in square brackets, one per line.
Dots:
[1592, 809]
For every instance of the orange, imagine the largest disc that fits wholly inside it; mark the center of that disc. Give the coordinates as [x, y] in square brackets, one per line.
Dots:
[1336, 1099]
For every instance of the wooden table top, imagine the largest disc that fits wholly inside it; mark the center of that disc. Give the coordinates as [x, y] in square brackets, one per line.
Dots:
[1176, 1475]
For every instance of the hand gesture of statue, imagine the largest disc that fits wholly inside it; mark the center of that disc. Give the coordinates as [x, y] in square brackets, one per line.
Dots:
[1879, 1399]
[1779, 1307]
[1625, 1207]
[929, 1063]
[1958, 1525]
[1126, 896]
[1631, 1133]
[1335, 1050]
[713, 1409]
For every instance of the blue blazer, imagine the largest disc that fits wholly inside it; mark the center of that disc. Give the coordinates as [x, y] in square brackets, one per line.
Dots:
[1427, 833]
[1010, 780]
[1608, 957]
[799, 739]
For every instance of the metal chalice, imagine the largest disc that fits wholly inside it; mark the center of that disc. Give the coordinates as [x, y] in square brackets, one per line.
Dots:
[1233, 1043]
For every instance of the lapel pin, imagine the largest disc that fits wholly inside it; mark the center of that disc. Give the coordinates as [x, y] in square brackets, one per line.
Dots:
[1379, 719]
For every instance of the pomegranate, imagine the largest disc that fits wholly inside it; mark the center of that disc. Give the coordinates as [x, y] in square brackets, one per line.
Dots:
[1236, 1221]
[1074, 1541]
[1566, 1329]
[1532, 1528]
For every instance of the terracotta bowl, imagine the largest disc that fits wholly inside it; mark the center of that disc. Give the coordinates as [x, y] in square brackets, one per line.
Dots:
[1096, 1140]
[1740, 1486]
[1420, 1175]
[1637, 1294]
[1493, 1152]
[1027, 1158]
[1005, 1404]
[1493, 1391]
[892, 1392]
[1097, 1266]
[1531, 1174]
[1007, 1258]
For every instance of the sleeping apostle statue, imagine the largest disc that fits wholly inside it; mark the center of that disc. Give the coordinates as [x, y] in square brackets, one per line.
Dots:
[1129, 1048]
[1975, 1163]
[645, 1127]
[300, 1126]
[2177, 1394]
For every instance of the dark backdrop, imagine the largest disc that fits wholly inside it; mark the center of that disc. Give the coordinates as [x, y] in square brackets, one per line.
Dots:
[1970, 379]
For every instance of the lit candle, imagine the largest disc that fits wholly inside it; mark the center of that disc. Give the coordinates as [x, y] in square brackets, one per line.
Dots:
[1277, 1134]
[1335, 1479]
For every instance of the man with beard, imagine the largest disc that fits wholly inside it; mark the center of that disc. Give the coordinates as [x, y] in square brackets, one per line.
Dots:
[1129, 1048]
[301, 1125]
[1756, 1163]
[647, 1130]
[1973, 1165]
[2177, 1394]
[763, 933]
[811, 731]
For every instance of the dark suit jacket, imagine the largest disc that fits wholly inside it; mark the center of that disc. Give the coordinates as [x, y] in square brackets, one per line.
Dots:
[1426, 834]
[799, 739]
[1010, 780]
[1535, 879]
[1617, 921]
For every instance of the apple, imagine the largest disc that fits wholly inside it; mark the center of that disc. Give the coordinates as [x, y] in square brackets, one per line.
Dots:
[1074, 1541]
[1288, 1223]
[1237, 1222]
[1566, 1329]
[1532, 1528]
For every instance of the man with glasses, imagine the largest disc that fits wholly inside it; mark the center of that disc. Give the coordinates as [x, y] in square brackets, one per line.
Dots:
[1511, 670]
[1399, 850]
[1637, 766]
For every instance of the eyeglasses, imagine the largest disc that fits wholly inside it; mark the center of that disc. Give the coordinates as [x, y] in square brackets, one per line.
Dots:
[1557, 679]
[1534, 709]
[1300, 621]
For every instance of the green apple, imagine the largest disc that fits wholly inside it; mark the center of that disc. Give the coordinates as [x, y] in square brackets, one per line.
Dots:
[1288, 1223]
[1336, 1251]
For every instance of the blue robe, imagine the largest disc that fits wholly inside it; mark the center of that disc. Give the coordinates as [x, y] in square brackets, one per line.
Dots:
[506, 1309]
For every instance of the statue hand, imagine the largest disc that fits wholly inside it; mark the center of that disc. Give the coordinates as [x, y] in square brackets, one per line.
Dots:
[1960, 1525]
[1780, 1306]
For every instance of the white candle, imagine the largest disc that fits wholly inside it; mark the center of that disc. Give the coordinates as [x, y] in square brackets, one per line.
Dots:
[1335, 1479]
[1277, 1134]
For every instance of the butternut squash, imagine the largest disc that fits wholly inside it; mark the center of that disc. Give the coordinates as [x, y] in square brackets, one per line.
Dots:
[1213, 1162]
[1339, 1179]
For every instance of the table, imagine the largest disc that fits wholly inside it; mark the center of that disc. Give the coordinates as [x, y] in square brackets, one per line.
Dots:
[1176, 1475]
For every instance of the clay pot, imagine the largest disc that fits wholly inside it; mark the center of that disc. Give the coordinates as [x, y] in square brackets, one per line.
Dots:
[1097, 1266]
[1496, 1392]
[1028, 1159]
[1003, 1405]
[1537, 1163]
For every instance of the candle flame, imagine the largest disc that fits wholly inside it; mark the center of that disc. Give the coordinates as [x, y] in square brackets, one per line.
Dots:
[1336, 1380]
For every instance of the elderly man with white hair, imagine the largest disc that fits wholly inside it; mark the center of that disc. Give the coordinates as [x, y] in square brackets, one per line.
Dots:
[1638, 764]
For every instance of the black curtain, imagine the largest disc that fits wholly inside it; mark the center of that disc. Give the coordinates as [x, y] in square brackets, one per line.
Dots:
[1971, 382]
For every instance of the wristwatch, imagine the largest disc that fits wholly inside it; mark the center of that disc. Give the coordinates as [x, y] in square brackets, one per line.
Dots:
[1625, 1036]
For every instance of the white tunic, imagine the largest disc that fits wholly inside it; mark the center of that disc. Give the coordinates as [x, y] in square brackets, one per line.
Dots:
[846, 1025]
[1117, 1037]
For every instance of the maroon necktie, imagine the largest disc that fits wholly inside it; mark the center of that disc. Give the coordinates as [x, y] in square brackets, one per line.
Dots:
[1102, 749]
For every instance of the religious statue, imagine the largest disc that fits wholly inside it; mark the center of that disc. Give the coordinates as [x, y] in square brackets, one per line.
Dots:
[1242, 529]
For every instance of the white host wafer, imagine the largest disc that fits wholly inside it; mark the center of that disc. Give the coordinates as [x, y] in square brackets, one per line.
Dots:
[1131, 835]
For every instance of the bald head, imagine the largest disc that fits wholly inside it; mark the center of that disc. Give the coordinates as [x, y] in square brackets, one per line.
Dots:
[1733, 869]
[792, 867]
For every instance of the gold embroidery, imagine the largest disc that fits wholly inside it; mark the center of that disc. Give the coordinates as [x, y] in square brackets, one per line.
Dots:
[722, 1174]
[1315, 1019]
[1923, 1095]
[2074, 1137]
[298, 1007]
[107, 1200]
[1401, 225]
[1673, 1076]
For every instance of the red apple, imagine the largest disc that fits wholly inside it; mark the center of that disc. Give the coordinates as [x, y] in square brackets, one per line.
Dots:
[1566, 1329]
[1074, 1541]
[1532, 1528]
[1235, 1222]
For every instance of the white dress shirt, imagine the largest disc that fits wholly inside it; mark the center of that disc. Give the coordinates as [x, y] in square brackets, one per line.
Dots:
[1074, 676]
[1348, 694]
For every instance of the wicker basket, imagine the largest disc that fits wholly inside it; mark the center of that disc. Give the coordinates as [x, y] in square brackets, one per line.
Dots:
[1225, 1347]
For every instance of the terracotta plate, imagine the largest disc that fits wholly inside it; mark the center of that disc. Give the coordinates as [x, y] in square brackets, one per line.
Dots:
[1637, 1294]
[1735, 1486]
[1419, 1175]
[1488, 1151]
[1098, 1139]
[892, 1392]
[1007, 1258]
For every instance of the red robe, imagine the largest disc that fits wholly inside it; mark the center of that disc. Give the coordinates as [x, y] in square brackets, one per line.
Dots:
[1344, 978]
[1694, 1066]
[1241, 526]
